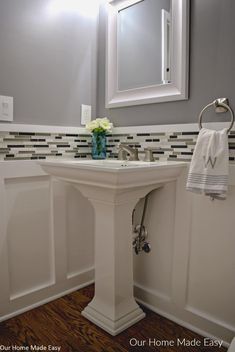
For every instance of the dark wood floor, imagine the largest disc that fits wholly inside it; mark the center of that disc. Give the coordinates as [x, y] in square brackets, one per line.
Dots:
[60, 323]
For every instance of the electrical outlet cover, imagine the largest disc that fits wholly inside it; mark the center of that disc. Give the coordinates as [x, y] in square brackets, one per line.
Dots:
[85, 114]
[6, 108]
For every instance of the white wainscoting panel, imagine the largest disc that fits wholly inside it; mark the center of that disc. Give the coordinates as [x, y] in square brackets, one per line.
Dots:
[30, 251]
[193, 251]
[79, 245]
[46, 238]
[154, 270]
[212, 259]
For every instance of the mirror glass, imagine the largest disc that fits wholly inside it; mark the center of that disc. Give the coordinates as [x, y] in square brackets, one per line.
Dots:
[144, 44]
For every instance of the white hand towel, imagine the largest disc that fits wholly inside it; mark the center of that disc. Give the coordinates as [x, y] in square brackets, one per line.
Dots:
[208, 172]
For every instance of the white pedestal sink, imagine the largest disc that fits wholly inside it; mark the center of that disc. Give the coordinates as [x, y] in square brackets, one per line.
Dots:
[113, 188]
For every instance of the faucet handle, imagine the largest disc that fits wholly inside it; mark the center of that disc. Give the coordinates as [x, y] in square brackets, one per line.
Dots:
[148, 155]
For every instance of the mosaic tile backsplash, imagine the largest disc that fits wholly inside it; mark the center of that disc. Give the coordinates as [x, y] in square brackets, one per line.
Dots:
[33, 146]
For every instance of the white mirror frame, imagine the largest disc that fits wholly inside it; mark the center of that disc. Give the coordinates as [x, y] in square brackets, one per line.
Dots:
[177, 89]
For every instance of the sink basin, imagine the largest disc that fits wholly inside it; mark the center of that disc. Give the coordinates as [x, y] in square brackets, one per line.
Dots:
[116, 164]
[111, 173]
[110, 163]
[113, 187]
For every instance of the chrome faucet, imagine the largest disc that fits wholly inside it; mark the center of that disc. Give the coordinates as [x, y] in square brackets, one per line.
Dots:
[123, 149]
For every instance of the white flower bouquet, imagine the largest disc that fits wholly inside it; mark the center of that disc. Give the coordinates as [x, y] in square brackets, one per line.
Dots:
[100, 125]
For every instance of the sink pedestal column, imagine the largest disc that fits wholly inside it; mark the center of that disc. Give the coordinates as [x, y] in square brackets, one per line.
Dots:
[113, 307]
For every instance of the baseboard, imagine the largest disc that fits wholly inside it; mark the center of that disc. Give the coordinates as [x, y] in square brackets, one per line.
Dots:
[180, 322]
[45, 301]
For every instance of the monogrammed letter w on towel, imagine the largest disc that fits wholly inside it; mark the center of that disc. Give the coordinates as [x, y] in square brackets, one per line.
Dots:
[208, 172]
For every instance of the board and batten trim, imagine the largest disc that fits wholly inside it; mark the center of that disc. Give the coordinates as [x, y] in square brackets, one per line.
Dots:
[175, 308]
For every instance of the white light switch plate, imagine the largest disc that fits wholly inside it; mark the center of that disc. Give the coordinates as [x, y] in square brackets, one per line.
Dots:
[6, 108]
[85, 114]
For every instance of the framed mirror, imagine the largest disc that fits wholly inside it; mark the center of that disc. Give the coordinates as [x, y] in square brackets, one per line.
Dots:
[146, 51]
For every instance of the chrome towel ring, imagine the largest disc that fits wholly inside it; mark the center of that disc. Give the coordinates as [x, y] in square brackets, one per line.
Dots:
[221, 105]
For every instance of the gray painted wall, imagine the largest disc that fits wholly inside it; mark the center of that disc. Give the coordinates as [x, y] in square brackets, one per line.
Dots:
[48, 64]
[212, 69]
